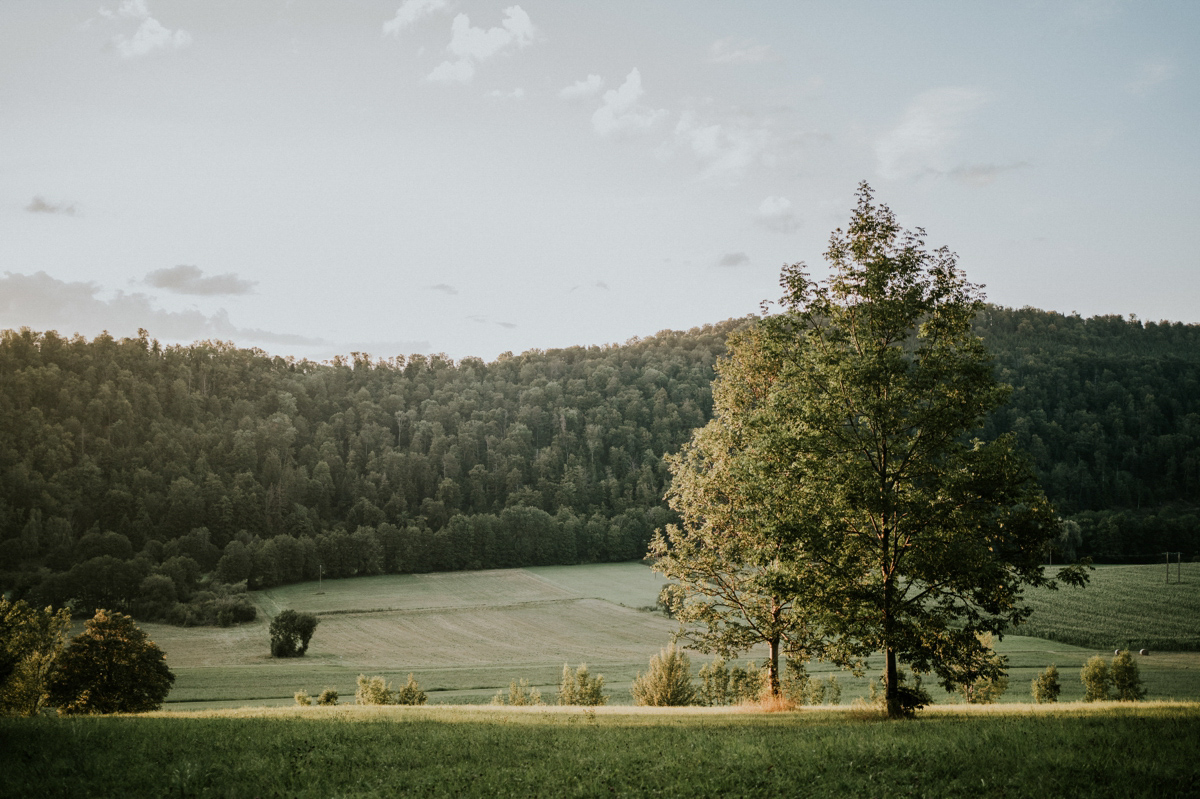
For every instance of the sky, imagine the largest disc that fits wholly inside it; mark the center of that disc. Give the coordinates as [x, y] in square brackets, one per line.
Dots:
[470, 178]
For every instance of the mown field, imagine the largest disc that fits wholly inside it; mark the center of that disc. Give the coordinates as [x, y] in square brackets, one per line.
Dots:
[1009, 751]
[466, 634]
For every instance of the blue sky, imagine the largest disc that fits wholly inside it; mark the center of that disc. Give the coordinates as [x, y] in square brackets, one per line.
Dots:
[471, 177]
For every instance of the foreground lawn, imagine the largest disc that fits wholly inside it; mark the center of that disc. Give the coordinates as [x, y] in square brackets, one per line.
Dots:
[1008, 751]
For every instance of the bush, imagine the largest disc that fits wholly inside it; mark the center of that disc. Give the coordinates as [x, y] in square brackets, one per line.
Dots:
[985, 680]
[302, 697]
[372, 691]
[1045, 687]
[410, 694]
[1125, 679]
[912, 696]
[329, 696]
[668, 682]
[291, 632]
[1095, 678]
[110, 667]
[802, 689]
[519, 694]
[581, 688]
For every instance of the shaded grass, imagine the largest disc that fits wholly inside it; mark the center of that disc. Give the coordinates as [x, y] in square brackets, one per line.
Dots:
[1123, 607]
[1131, 750]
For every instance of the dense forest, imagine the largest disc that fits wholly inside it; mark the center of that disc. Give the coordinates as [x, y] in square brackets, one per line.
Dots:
[164, 480]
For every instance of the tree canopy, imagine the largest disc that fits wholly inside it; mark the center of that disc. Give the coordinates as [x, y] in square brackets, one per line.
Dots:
[853, 442]
[110, 667]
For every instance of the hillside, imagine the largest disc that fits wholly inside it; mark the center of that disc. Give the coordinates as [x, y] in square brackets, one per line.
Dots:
[157, 478]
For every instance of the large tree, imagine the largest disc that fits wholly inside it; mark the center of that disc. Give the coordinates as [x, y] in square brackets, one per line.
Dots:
[110, 667]
[857, 451]
[30, 642]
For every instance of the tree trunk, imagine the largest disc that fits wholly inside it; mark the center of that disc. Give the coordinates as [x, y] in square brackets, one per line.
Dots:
[773, 668]
[891, 686]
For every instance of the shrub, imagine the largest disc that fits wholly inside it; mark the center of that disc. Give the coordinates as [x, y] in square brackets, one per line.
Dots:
[519, 694]
[31, 641]
[302, 697]
[372, 691]
[1095, 678]
[1045, 687]
[668, 682]
[714, 683]
[984, 681]
[912, 696]
[1124, 677]
[581, 688]
[290, 633]
[110, 667]
[329, 696]
[410, 694]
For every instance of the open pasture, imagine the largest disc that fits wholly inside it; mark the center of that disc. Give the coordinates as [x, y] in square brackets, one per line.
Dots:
[1011, 751]
[1127, 607]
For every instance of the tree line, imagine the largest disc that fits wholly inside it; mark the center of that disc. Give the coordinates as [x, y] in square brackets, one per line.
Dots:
[158, 479]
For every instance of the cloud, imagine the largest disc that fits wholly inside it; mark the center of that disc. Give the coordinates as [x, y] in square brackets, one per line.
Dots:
[733, 51]
[185, 279]
[515, 94]
[920, 143]
[409, 12]
[734, 259]
[45, 303]
[983, 174]
[508, 325]
[599, 284]
[473, 45]
[151, 34]
[583, 88]
[776, 213]
[1149, 76]
[620, 111]
[444, 288]
[483, 320]
[38, 205]
[726, 149]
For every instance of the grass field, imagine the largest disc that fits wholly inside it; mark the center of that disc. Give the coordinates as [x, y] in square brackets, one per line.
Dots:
[1011, 751]
[1128, 607]
[466, 634]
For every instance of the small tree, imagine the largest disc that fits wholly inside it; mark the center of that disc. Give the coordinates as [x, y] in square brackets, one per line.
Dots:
[714, 683]
[329, 696]
[1124, 677]
[372, 691]
[30, 643]
[984, 678]
[581, 688]
[804, 689]
[520, 694]
[1096, 678]
[302, 697]
[410, 694]
[1045, 687]
[110, 667]
[668, 682]
[290, 633]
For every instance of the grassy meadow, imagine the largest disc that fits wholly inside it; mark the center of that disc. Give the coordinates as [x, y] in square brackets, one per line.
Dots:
[464, 635]
[1005, 751]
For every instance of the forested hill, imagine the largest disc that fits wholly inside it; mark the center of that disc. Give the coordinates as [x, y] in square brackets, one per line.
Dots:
[140, 476]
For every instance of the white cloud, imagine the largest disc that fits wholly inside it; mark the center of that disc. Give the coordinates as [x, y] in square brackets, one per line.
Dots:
[734, 259]
[409, 12]
[473, 45]
[1149, 75]
[583, 88]
[777, 213]
[920, 143]
[515, 94]
[445, 288]
[151, 34]
[186, 279]
[733, 51]
[620, 111]
[38, 205]
[726, 149]
[983, 174]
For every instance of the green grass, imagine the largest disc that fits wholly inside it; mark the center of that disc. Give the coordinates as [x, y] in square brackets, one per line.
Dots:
[1131, 750]
[1123, 607]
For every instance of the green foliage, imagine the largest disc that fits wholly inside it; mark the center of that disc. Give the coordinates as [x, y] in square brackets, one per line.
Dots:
[373, 691]
[667, 682]
[1125, 679]
[290, 633]
[302, 698]
[983, 679]
[911, 696]
[1045, 687]
[328, 696]
[1096, 679]
[519, 695]
[110, 667]
[721, 685]
[30, 643]
[410, 694]
[801, 688]
[581, 688]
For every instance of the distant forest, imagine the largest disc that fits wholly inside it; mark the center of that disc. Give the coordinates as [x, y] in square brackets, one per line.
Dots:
[163, 480]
